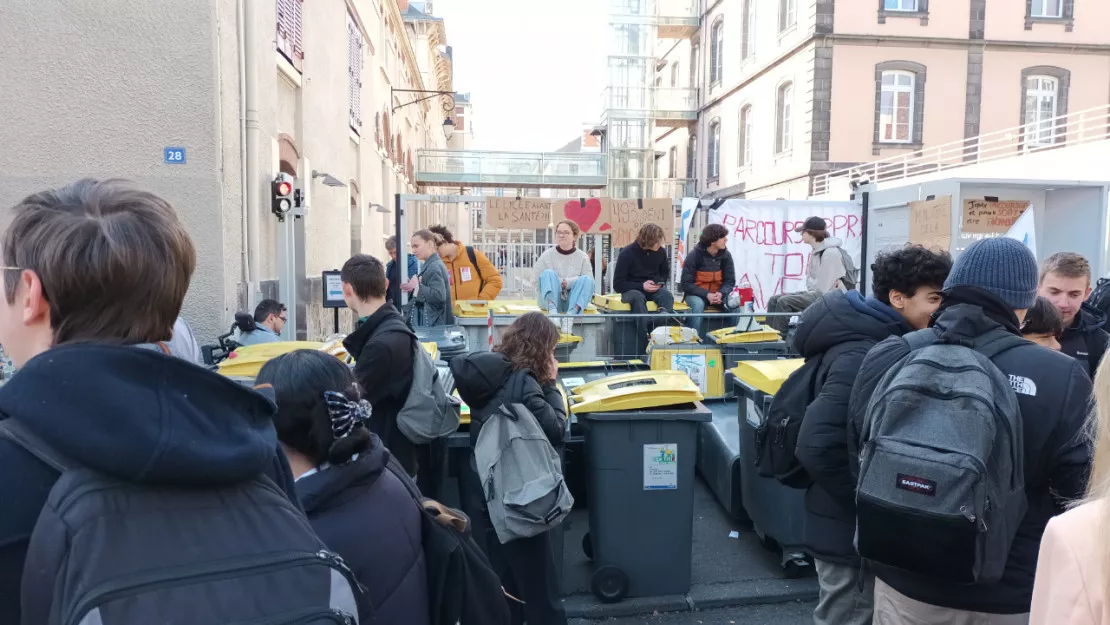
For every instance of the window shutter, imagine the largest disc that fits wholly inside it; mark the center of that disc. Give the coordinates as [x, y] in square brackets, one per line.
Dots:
[354, 66]
[289, 41]
[714, 48]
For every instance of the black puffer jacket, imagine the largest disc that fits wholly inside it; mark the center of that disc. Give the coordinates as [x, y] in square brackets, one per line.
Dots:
[1054, 395]
[1086, 339]
[838, 329]
[363, 512]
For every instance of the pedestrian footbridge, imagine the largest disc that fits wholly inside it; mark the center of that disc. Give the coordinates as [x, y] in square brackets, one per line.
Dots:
[476, 168]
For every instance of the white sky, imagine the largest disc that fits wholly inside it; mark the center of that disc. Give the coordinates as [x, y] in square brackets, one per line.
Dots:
[535, 69]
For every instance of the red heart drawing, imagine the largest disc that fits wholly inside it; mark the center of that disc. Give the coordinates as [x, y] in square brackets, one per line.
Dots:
[585, 215]
[605, 227]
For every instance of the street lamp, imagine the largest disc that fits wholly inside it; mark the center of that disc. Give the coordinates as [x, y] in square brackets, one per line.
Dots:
[448, 128]
[329, 180]
[378, 208]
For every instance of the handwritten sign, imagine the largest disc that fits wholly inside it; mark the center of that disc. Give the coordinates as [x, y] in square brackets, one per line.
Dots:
[590, 214]
[992, 217]
[528, 213]
[628, 216]
[769, 254]
[931, 223]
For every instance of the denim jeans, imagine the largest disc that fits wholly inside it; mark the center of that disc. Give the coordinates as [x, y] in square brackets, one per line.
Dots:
[697, 305]
[552, 296]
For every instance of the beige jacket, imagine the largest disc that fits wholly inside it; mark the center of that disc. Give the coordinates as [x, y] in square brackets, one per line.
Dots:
[1071, 586]
[825, 270]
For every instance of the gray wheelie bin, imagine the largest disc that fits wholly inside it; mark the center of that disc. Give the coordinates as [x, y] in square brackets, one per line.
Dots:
[641, 480]
[777, 511]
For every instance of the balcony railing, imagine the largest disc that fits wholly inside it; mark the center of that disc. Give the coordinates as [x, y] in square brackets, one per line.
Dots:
[660, 11]
[675, 188]
[475, 168]
[655, 102]
[1072, 129]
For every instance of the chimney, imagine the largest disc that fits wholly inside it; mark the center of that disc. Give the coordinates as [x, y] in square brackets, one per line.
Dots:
[403, 5]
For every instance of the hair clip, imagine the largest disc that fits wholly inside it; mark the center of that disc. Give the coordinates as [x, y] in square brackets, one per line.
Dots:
[345, 414]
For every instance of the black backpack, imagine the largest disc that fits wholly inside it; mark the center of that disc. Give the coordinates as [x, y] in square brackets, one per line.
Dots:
[109, 552]
[1100, 297]
[478, 270]
[776, 438]
[463, 588]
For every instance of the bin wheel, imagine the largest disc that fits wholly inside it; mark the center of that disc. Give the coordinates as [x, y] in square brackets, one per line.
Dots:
[796, 567]
[610, 584]
[588, 546]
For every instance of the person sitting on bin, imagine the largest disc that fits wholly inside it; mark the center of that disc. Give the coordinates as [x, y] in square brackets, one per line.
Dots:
[356, 504]
[473, 276]
[1043, 324]
[839, 329]
[431, 287]
[708, 274]
[642, 272]
[483, 380]
[824, 273]
[264, 327]
[564, 276]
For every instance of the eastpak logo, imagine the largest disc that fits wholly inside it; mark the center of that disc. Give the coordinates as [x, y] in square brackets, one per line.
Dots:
[918, 485]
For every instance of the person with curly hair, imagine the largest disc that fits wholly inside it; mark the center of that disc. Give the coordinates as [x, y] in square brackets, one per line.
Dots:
[838, 330]
[521, 369]
[473, 276]
[708, 274]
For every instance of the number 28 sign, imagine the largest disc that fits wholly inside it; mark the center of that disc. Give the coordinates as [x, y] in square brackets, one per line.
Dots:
[173, 156]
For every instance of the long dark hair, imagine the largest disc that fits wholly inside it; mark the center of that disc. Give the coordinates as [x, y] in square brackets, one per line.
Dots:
[300, 378]
[530, 343]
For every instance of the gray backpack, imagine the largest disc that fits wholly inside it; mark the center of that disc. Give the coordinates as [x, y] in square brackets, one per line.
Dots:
[941, 488]
[521, 473]
[850, 279]
[429, 412]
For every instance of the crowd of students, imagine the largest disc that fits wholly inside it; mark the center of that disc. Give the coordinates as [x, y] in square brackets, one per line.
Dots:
[142, 487]
[890, 402]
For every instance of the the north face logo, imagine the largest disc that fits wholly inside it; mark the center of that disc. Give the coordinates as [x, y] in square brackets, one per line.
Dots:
[917, 485]
[1023, 385]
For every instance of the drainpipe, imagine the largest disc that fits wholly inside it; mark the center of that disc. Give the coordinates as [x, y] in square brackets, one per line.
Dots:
[249, 130]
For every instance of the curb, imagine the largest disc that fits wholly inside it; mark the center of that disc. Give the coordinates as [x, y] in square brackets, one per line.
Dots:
[700, 597]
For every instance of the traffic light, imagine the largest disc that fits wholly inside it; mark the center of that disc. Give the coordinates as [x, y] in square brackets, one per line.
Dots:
[281, 194]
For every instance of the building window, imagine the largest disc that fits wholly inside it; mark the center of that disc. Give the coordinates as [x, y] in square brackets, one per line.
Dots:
[1052, 11]
[904, 8]
[745, 155]
[1046, 8]
[1044, 105]
[899, 104]
[784, 111]
[788, 14]
[713, 151]
[747, 45]
[674, 74]
[716, 51]
[672, 162]
[289, 31]
[692, 157]
[355, 62]
[896, 108]
[694, 66]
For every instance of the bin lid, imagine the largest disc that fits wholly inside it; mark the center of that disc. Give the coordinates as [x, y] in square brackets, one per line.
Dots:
[432, 348]
[609, 364]
[766, 375]
[695, 411]
[471, 308]
[633, 391]
[247, 361]
[447, 338]
[611, 302]
[565, 339]
[725, 336]
[464, 410]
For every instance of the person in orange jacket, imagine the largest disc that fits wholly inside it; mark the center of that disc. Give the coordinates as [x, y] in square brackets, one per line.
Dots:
[473, 276]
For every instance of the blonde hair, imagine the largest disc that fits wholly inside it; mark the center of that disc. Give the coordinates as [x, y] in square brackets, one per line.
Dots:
[1098, 428]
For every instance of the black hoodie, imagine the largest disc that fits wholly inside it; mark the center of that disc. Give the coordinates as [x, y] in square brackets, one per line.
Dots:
[1054, 395]
[839, 329]
[1086, 339]
[134, 414]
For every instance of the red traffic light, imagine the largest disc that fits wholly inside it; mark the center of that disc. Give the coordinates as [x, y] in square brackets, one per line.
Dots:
[284, 188]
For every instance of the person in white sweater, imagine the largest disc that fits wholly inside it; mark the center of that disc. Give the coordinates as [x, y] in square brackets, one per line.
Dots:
[564, 276]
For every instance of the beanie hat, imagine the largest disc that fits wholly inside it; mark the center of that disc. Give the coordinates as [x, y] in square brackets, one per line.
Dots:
[1003, 266]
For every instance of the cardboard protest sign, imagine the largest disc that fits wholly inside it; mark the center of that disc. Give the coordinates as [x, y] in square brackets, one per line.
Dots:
[931, 223]
[591, 214]
[528, 213]
[628, 216]
[991, 216]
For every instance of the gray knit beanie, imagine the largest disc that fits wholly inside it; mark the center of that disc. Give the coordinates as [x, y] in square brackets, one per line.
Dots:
[1002, 266]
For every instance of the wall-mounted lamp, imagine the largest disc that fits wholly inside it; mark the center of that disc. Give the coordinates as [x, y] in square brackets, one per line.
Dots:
[378, 207]
[329, 180]
[448, 128]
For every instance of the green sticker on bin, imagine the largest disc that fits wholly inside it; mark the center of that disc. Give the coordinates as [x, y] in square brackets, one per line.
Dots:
[713, 363]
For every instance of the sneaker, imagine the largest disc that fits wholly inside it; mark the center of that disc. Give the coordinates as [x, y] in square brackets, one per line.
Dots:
[566, 324]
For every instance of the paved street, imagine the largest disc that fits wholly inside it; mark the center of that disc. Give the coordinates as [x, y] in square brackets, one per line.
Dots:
[793, 613]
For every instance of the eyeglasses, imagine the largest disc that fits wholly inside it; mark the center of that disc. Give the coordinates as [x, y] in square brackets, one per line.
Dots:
[564, 233]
